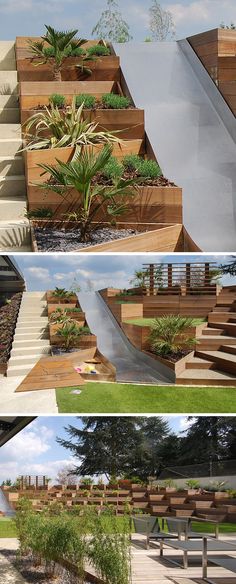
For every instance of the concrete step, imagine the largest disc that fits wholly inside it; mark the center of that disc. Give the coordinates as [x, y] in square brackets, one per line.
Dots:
[25, 359]
[17, 370]
[197, 363]
[10, 146]
[39, 294]
[7, 50]
[223, 361]
[31, 336]
[204, 377]
[7, 64]
[24, 324]
[10, 130]
[13, 208]
[33, 328]
[8, 82]
[11, 165]
[19, 343]
[12, 186]
[9, 101]
[33, 348]
[15, 236]
[214, 342]
[9, 115]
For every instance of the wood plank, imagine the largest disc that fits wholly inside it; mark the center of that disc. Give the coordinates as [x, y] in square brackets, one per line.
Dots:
[49, 373]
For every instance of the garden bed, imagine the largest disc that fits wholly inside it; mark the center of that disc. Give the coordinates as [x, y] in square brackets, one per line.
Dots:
[104, 68]
[34, 94]
[8, 318]
[143, 237]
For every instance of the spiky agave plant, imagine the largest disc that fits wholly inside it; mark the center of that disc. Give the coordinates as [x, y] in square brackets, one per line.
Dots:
[169, 334]
[55, 47]
[64, 129]
[62, 294]
[80, 175]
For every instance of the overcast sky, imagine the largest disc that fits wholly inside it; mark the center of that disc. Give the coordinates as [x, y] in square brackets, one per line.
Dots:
[35, 451]
[45, 271]
[27, 17]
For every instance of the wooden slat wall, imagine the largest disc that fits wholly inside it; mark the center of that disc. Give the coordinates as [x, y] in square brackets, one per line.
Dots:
[217, 51]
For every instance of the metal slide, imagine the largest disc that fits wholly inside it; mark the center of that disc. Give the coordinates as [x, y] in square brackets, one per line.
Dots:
[192, 132]
[5, 506]
[112, 345]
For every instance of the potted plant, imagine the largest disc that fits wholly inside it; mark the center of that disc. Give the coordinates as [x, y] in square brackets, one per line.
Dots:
[193, 486]
[71, 336]
[170, 486]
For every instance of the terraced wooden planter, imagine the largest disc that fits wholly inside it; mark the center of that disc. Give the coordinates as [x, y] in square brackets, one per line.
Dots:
[85, 341]
[53, 307]
[50, 156]
[103, 69]
[35, 94]
[129, 122]
[53, 328]
[51, 299]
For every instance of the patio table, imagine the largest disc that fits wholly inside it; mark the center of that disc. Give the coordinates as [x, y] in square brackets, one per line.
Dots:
[204, 546]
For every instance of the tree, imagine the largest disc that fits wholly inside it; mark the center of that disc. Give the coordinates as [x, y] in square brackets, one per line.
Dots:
[65, 476]
[161, 23]
[105, 445]
[209, 438]
[111, 25]
[229, 268]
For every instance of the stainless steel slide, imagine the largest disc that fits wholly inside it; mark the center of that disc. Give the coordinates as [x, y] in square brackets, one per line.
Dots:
[129, 366]
[192, 132]
[4, 505]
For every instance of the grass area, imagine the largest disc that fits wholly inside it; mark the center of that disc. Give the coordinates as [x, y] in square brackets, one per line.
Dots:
[209, 528]
[125, 398]
[149, 321]
[7, 527]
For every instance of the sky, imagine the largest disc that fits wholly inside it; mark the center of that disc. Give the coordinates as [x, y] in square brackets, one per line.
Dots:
[35, 451]
[27, 17]
[46, 271]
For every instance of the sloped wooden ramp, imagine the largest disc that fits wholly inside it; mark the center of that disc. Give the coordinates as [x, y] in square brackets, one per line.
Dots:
[51, 372]
[59, 371]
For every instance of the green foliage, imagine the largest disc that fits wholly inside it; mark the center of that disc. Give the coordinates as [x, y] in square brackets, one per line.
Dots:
[70, 333]
[115, 101]
[99, 51]
[113, 169]
[40, 213]
[144, 168]
[86, 481]
[54, 47]
[62, 293]
[57, 100]
[88, 101]
[169, 335]
[67, 128]
[111, 25]
[193, 484]
[79, 174]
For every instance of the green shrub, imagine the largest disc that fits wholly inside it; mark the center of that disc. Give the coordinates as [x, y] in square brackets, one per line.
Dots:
[113, 169]
[85, 98]
[131, 162]
[40, 213]
[149, 169]
[57, 100]
[70, 51]
[170, 334]
[98, 51]
[115, 101]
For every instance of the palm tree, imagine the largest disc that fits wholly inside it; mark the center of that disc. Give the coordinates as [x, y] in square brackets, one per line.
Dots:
[80, 175]
[55, 47]
[70, 332]
[169, 334]
[62, 294]
[60, 129]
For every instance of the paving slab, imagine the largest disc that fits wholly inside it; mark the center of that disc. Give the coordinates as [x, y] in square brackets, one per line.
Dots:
[32, 402]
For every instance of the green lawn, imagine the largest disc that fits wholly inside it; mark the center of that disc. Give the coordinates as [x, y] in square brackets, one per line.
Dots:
[7, 527]
[127, 398]
[149, 321]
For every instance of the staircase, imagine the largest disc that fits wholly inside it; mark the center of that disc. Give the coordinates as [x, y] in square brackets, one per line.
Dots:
[214, 361]
[14, 227]
[31, 339]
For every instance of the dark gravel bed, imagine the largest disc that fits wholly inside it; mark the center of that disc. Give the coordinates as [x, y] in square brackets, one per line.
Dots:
[35, 574]
[49, 239]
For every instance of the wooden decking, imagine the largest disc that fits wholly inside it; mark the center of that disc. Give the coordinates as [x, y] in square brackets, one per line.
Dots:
[149, 568]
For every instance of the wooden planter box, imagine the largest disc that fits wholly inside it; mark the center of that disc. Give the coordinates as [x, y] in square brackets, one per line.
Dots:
[71, 301]
[79, 317]
[53, 307]
[34, 94]
[53, 328]
[148, 205]
[103, 69]
[83, 342]
[129, 122]
[50, 156]
[151, 237]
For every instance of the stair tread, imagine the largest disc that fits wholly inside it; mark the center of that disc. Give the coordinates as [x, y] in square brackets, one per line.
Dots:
[216, 337]
[199, 360]
[12, 177]
[221, 354]
[205, 374]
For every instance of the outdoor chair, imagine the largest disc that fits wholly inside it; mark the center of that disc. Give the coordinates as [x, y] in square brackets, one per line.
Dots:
[184, 527]
[149, 526]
